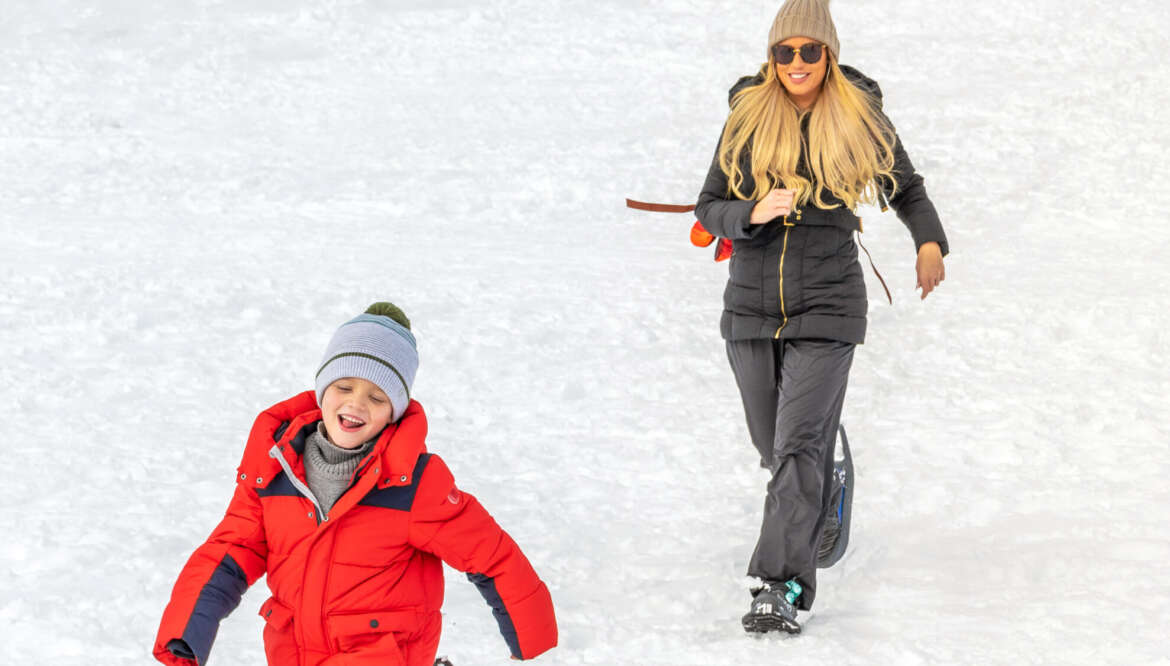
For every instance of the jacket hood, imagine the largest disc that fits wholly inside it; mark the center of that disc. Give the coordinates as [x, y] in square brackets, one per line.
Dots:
[851, 73]
[743, 82]
[861, 81]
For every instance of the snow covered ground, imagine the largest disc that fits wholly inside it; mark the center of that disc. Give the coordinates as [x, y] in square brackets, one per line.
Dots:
[194, 194]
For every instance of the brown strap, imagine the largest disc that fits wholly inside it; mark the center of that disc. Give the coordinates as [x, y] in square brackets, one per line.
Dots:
[658, 207]
[875, 271]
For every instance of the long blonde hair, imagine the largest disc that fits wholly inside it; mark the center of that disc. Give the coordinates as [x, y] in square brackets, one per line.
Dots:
[849, 148]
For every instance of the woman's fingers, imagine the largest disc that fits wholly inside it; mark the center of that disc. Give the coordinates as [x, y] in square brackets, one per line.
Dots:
[779, 197]
[929, 268]
[929, 282]
[776, 203]
[782, 197]
[927, 287]
[781, 201]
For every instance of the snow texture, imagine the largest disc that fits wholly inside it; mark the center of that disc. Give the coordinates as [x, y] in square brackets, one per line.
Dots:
[193, 195]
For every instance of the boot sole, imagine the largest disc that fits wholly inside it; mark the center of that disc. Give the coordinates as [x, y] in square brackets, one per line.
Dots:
[762, 624]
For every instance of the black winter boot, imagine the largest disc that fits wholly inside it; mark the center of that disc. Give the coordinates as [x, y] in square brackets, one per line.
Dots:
[773, 608]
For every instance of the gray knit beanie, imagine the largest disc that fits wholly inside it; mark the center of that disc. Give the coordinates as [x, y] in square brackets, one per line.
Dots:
[805, 18]
[376, 346]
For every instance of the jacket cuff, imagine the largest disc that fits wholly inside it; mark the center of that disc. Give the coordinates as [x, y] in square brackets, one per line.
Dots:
[925, 227]
[939, 237]
[743, 227]
[164, 654]
[535, 622]
[728, 218]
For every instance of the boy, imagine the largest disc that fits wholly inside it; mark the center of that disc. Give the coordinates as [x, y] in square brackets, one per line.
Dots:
[339, 503]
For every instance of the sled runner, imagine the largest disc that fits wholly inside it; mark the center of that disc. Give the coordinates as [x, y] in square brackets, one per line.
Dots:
[835, 537]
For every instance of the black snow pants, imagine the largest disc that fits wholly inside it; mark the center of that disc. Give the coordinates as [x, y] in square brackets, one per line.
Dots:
[792, 391]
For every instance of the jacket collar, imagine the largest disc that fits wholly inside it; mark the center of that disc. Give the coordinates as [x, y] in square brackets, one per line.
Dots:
[398, 448]
[286, 423]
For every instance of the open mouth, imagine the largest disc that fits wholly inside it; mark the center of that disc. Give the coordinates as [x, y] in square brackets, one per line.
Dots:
[350, 423]
[798, 77]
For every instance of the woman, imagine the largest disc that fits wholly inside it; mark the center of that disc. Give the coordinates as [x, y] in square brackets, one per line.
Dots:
[805, 143]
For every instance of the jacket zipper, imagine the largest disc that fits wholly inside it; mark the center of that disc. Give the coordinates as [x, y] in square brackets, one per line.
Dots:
[783, 313]
[274, 452]
[321, 516]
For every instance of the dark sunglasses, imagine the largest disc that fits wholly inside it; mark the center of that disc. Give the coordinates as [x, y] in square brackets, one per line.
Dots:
[810, 53]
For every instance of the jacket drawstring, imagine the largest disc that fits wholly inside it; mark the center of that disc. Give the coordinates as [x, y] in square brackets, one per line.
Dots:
[274, 452]
[875, 270]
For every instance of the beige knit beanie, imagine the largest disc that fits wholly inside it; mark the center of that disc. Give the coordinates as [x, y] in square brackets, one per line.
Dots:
[805, 18]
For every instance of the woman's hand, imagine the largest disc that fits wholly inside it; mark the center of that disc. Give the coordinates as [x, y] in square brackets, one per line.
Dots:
[929, 267]
[774, 204]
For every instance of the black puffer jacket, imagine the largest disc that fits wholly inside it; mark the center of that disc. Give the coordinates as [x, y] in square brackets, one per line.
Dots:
[798, 276]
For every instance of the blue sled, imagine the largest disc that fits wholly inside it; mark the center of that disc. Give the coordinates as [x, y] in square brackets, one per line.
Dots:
[835, 536]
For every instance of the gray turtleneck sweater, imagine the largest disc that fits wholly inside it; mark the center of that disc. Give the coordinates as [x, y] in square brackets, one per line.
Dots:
[328, 467]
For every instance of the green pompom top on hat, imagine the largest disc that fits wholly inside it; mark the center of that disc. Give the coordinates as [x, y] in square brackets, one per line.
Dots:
[384, 309]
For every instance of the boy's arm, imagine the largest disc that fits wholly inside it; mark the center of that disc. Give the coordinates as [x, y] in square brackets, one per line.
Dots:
[454, 525]
[212, 582]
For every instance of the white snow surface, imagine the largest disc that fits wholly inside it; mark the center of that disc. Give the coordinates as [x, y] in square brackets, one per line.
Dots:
[193, 195]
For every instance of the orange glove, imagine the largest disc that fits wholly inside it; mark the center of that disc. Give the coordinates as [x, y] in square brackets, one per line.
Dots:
[700, 237]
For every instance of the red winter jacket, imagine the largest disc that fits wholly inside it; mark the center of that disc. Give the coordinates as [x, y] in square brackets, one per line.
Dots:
[364, 585]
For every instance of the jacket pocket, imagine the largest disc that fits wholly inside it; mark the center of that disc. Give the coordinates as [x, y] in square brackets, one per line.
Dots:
[373, 636]
[280, 643]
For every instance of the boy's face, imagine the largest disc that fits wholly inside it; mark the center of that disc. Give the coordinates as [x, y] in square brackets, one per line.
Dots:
[355, 411]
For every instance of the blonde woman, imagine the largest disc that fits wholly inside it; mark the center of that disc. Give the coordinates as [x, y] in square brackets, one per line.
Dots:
[806, 142]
